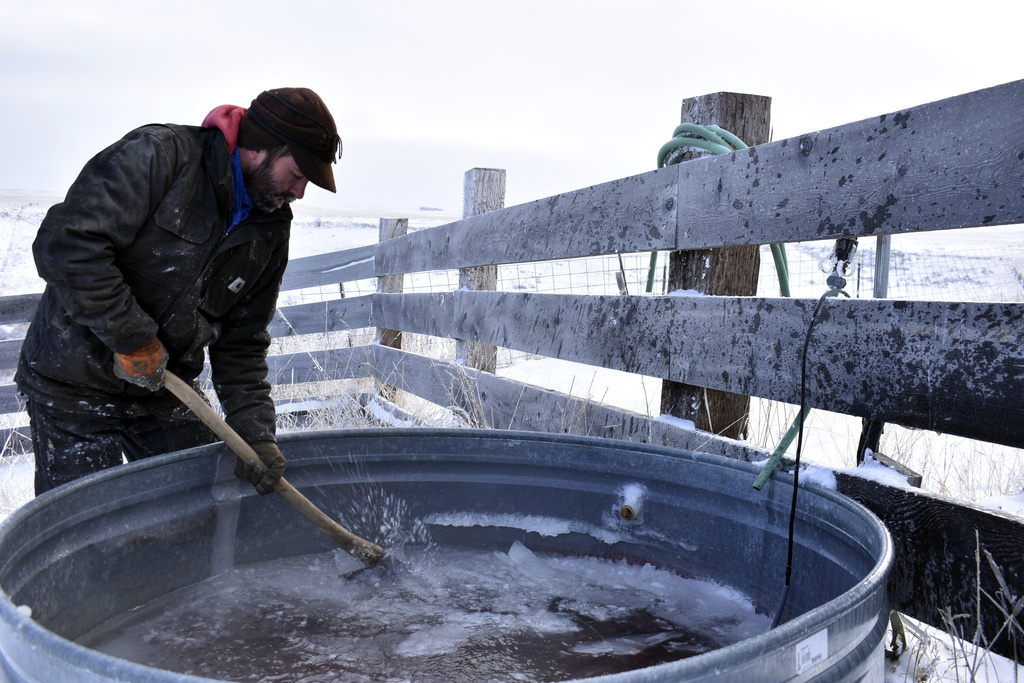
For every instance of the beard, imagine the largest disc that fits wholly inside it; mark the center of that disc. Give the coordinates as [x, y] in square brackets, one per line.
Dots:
[259, 183]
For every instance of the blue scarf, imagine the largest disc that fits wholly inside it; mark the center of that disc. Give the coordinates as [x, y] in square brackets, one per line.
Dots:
[241, 202]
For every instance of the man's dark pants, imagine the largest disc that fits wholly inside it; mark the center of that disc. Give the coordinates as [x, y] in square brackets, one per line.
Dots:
[69, 445]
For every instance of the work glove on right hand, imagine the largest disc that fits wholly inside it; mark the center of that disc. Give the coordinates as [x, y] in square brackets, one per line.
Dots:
[144, 367]
[263, 480]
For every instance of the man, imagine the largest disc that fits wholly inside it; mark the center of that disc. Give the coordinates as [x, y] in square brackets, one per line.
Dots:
[171, 241]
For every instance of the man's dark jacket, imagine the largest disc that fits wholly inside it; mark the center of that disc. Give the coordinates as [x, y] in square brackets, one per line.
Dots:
[139, 249]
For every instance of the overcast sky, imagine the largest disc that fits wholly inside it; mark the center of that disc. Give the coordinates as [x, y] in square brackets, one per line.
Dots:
[561, 93]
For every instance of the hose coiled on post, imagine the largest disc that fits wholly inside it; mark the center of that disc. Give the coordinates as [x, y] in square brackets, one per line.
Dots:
[716, 140]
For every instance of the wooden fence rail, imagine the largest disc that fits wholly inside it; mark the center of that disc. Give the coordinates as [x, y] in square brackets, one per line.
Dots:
[951, 366]
[951, 164]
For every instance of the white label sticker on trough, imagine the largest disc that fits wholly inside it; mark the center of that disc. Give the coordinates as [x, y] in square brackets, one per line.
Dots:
[811, 651]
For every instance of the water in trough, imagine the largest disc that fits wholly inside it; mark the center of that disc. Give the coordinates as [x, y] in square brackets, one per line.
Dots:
[431, 613]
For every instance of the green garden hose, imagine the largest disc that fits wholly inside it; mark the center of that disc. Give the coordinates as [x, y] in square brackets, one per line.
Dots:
[715, 140]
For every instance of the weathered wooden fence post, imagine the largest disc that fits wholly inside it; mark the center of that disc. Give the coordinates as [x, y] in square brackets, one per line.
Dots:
[483, 190]
[730, 271]
[390, 228]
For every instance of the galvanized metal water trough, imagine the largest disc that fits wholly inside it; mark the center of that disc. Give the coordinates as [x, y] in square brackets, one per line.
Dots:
[105, 544]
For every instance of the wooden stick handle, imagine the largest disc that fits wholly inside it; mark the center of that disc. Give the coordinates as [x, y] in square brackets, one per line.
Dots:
[359, 547]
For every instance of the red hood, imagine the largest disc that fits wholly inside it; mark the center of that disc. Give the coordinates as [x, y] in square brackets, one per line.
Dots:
[228, 118]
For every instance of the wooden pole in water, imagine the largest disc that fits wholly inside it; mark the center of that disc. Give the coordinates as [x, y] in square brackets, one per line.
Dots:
[362, 549]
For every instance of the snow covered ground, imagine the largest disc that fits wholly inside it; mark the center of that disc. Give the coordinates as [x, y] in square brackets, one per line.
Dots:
[990, 475]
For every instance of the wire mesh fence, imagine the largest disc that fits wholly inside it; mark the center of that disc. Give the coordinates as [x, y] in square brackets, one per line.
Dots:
[961, 274]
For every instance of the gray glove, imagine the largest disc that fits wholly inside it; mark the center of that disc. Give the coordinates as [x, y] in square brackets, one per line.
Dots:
[263, 480]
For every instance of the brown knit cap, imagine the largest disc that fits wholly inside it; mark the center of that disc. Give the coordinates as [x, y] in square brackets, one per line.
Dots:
[300, 119]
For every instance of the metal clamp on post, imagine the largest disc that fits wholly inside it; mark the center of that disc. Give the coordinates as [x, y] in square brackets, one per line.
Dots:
[838, 265]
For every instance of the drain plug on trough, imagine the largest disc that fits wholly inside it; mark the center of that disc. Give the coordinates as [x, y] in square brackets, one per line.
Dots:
[631, 503]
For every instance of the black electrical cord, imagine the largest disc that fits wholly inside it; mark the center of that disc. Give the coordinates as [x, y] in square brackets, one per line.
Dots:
[799, 448]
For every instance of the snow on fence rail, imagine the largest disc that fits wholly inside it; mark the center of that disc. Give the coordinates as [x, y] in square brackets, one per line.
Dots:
[950, 366]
